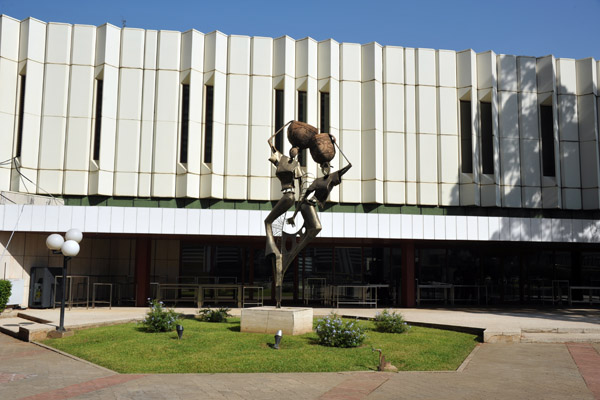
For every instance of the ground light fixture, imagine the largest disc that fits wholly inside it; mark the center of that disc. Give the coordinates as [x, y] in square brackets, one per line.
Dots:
[179, 329]
[278, 336]
[69, 248]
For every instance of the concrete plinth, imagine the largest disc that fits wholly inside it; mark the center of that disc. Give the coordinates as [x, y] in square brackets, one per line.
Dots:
[291, 320]
[59, 334]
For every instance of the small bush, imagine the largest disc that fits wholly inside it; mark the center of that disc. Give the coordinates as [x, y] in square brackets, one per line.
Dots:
[334, 332]
[5, 291]
[214, 315]
[159, 318]
[390, 322]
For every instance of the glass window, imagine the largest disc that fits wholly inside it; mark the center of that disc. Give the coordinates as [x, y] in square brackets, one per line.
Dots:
[324, 126]
[98, 118]
[302, 117]
[208, 123]
[466, 147]
[279, 99]
[21, 114]
[185, 120]
[547, 127]
[487, 138]
[348, 265]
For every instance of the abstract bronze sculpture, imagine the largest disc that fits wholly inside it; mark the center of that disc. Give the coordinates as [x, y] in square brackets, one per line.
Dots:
[321, 145]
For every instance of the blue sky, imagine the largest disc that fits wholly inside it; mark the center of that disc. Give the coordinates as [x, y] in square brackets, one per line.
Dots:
[568, 29]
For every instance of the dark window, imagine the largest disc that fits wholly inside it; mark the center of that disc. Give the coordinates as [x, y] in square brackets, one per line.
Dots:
[98, 117]
[21, 113]
[466, 148]
[547, 125]
[302, 117]
[324, 128]
[279, 119]
[185, 122]
[208, 123]
[487, 141]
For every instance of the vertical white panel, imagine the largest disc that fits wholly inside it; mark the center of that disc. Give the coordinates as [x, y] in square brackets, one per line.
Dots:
[259, 168]
[129, 113]
[167, 103]
[148, 104]
[108, 38]
[427, 143]
[237, 118]
[372, 123]
[215, 70]
[80, 103]
[32, 50]
[350, 120]
[410, 125]
[9, 55]
[448, 139]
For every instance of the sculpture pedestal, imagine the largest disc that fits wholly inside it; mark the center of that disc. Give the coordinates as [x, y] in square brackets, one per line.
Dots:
[291, 320]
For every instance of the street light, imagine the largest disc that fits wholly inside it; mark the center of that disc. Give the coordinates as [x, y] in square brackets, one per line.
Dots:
[69, 248]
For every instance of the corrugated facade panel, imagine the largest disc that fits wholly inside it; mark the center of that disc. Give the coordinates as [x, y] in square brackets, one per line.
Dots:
[394, 111]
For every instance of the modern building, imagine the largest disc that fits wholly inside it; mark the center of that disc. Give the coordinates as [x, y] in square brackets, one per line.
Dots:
[472, 172]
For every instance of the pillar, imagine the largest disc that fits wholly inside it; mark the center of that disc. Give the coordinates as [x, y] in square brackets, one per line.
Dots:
[142, 271]
[407, 292]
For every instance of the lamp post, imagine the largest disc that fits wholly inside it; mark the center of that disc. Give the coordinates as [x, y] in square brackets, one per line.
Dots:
[69, 248]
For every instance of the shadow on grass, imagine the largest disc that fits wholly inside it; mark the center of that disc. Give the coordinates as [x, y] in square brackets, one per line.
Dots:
[234, 328]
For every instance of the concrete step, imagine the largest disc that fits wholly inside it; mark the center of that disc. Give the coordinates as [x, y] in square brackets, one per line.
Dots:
[565, 337]
[25, 329]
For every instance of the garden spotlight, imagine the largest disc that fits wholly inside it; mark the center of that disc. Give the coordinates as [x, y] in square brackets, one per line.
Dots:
[278, 336]
[179, 329]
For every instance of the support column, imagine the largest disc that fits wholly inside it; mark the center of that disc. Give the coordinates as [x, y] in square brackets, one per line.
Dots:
[407, 292]
[142, 271]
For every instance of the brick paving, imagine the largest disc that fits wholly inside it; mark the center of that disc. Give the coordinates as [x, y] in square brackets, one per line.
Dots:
[588, 361]
[84, 387]
[356, 387]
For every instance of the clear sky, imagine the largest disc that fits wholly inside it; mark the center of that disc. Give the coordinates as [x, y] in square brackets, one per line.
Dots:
[566, 29]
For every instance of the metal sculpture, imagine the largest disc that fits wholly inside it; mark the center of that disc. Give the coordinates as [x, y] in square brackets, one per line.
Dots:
[322, 149]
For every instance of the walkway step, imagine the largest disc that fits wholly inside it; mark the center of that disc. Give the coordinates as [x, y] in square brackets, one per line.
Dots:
[567, 337]
[24, 329]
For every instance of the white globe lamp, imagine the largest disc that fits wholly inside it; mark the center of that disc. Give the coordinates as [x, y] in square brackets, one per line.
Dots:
[70, 248]
[55, 241]
[74, 234]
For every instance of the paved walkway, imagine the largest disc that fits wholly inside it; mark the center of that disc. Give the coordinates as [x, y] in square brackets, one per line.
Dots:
[494, 371]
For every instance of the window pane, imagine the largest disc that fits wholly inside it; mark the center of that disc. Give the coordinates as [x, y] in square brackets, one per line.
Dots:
[324, 128]
[185, 119]
[208, 124]
[487, 141]
[547, 126]
[279, 119]
[21, 113]
[98, 116]
[466, 148]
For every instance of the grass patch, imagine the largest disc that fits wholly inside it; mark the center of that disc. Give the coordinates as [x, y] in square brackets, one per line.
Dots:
[220, 347]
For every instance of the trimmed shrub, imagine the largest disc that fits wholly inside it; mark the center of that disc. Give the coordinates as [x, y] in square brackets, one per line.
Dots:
[5, 291]
[390, 322]
[160, 318]
[333, 331]
[214, 315]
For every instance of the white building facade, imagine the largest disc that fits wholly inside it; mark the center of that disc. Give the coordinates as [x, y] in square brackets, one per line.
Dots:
[156, 142]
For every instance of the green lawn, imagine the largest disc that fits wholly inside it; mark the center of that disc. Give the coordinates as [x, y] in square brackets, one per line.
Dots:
[221, 347]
